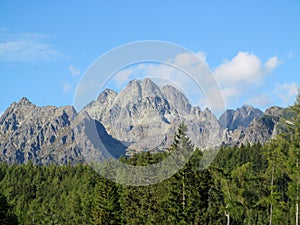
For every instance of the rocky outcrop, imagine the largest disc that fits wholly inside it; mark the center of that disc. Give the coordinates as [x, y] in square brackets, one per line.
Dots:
[241, 117]
[146, 117]
[39, 134]
[142, 117]
[93, 141]
[262, 128]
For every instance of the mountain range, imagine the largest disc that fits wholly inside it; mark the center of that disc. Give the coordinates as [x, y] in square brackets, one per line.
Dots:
[141, 117]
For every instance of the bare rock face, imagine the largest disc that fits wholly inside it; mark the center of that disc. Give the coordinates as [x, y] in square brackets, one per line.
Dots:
[242, 117]
[46, 135]
[142, 117]
[145, 117]
[39, 134]
[93, 141]
[104, 101]
[177, 99]
[261, 129]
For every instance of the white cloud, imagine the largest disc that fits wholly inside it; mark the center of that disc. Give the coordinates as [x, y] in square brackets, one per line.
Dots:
[122, 76]
[188, 59]
[74, 71]
[239, 78]
[244, 67]
[229, 92]
[241, 75]
[202, 56]
[177, 71]
[168, 73]
[1, 113]
[272, 63]
[286, 92]
[25, 47]
[164, 74]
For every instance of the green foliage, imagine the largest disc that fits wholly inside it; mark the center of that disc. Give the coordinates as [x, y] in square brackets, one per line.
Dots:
[250, 184]
[105, 203]
[6, 215]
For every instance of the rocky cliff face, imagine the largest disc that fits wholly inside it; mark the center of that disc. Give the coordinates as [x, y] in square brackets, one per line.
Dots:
[242, 117]
[40, 134]
[262, 128]
[142, 117]
[146, 117]
[46, 135]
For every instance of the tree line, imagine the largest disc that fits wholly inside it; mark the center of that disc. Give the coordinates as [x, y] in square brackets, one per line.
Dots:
[250, 184]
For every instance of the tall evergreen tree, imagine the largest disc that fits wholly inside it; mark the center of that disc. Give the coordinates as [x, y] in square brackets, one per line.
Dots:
[294, 157]
[276, 152]
[179, 192]
[105, 205]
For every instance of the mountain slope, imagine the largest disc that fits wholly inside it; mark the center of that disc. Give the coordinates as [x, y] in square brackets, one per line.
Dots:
[42, 135]
[142, 117]
[242, 117]
[146, 117]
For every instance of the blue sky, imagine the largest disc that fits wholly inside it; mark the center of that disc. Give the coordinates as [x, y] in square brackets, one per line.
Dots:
[252, 47]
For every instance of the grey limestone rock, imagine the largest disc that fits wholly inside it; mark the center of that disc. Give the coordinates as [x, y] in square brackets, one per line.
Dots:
[141, 117]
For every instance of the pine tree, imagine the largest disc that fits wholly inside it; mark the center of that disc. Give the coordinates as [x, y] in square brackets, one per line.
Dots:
[105, 205]
[276, 154]
[178, 190]
[294, 157]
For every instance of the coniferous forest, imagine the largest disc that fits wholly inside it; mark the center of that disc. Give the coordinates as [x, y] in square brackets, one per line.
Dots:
[250, 184]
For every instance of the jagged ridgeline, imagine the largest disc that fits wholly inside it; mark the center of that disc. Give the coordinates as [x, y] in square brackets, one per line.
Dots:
[142, 117]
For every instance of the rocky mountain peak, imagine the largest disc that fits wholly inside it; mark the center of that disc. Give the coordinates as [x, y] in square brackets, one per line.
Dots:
[145, 116]
[24, 101]
[16, 113]
[68, 112]
[138, 91]
[141, 117]
[134, 83]
[248, 109]
[243, 116]
[177, 99]
[132, 92]
[150, 89]
[148, 82]
[274, 111]
[22, 104]
[107, 95]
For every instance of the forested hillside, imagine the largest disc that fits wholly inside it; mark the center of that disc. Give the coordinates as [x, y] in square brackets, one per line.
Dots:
[244, 185]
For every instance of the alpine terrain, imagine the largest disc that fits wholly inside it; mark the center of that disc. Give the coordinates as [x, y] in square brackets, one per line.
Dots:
[142, 117]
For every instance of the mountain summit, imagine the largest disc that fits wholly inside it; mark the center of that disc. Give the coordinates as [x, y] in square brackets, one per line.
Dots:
[242, 117]
[145, 116]
[142, 117]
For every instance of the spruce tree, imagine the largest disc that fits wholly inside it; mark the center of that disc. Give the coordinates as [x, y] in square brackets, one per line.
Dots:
[105, 205]
[178, 191]
[294, 158]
